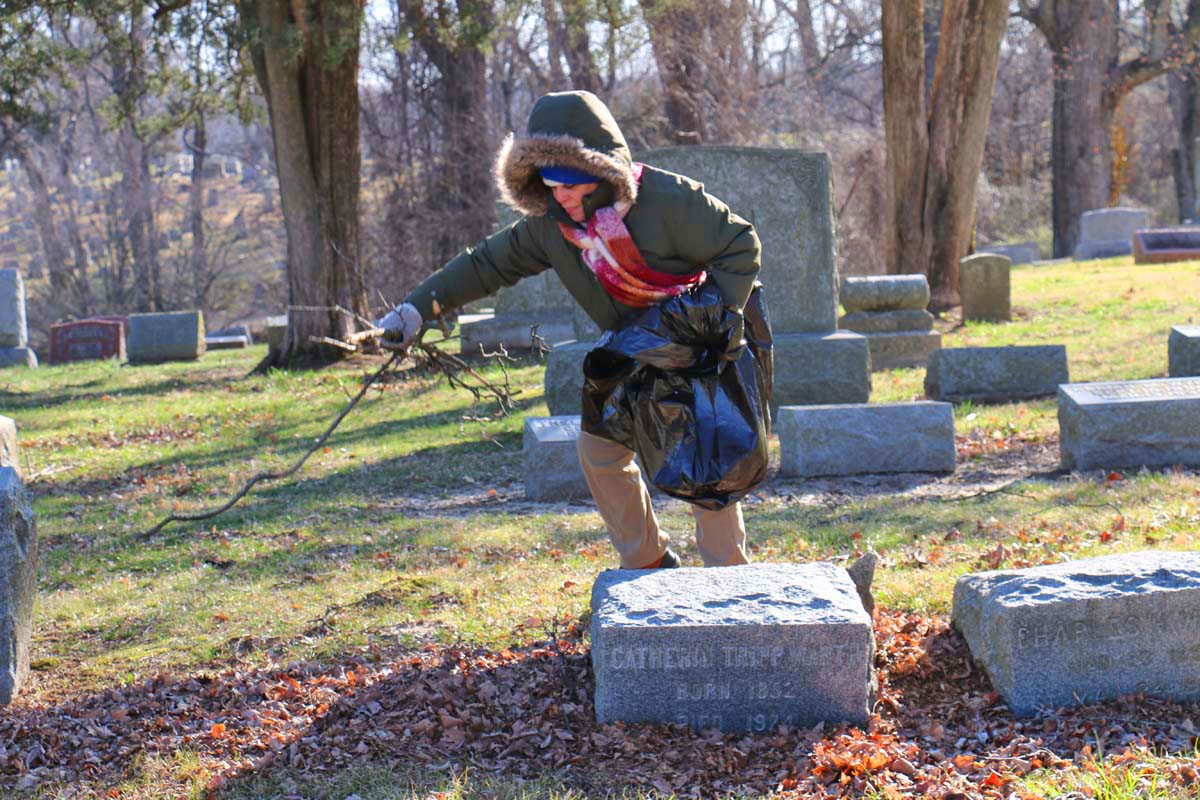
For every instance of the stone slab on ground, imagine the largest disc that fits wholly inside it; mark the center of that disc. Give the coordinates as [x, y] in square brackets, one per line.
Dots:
[885, 293]
[995, 374]
[9, 455]
[744, 648]
[18, 357]
[1151, 423]
[18, 582]
[865, 438]
[904, 319]
[902, 349]
[276, 331]
[1084, 631]
[1166, 245]
[226, 342]
[1107, 232]
[788, 196]
[14, 331]
[1183, 351]
[985, 287]
[551, 460]
[169, 336]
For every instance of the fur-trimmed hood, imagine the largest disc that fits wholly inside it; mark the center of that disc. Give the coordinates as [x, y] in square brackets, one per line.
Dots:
[568, 129]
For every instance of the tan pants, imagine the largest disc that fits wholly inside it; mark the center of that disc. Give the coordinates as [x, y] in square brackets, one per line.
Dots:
[624, 504]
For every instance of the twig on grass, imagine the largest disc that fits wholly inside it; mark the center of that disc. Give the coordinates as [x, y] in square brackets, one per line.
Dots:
[273, 476]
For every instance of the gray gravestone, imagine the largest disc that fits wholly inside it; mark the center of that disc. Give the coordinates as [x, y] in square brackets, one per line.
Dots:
[8, 444]
[885, 293]
[1153, 423]
[539, 300]
[1085, 631]
[170, 336]
[14, 331]
[787, 195]
[226, 342]
[1108, 232]
[564, 378]
[1017, 252]
[985, 286]
[745, 648]
[276, 331]
[1183, 351]
[551, 460]
[18, 582]
[995, 374]
[864, 438]
[889, 310]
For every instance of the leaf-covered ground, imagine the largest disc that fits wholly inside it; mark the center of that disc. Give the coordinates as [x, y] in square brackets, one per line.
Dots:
[398, 621]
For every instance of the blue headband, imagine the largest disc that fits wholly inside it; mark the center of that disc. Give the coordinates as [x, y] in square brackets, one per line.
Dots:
[566, 175]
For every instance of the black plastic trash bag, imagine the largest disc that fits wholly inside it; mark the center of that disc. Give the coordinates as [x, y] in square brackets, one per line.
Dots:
[687, 386]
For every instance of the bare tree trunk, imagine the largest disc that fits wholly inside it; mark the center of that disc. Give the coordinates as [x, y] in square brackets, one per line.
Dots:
[198, 260]
[53, 250]
[1184, 91]
[307, 66]
[677, 37]
[934, 159]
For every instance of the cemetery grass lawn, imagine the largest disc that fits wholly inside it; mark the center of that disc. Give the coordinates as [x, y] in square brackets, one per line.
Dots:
[409, 532]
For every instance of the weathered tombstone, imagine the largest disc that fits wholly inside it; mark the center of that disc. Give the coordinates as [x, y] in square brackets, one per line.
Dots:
[551, 461]
[86, 339]
[1153, 423]
[18, 582]
[276, 331]
[995, 374]
[746, 648]
[1108, 232]
[1085, 631]
[1017, 252]
[787, 195]
[1166, 245]
[170, 336]
[14, 332]
[865, 438]
[889, 310]
[1183, 351]
[9, 455]
[985, 286]
[235, 330]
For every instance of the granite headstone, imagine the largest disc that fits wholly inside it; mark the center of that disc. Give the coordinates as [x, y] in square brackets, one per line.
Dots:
[18, 582]
[1152, 423]
[995, 374]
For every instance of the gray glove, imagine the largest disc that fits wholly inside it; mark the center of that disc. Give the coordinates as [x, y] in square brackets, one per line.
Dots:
[401, 327]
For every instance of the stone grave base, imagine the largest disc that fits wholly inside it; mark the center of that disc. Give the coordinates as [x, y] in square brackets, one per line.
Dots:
[1183, 351]
[551, 462]
[746, 648]
[1152, 423]
[512, 331]
[18, 357]
[168, 336]
[564, 377]
[865, 438]
[902, 349]
[1084, 631]
[226, 342]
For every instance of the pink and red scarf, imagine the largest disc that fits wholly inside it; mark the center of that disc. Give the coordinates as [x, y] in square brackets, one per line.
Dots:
[610, 253]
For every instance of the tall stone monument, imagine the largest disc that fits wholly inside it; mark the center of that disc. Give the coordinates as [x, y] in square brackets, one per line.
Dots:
[787, 195]
[14, 331]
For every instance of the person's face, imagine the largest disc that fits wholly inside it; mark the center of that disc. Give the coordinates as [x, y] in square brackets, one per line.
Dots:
[570, 197]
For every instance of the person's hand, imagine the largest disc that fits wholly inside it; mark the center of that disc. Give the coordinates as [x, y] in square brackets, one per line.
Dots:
[401, 327]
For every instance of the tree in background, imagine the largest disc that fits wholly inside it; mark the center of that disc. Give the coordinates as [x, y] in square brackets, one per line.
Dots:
[934, 151]
[1096, 64]
[305, 55]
